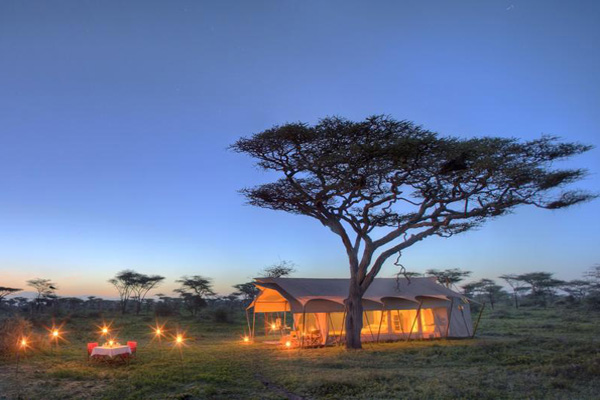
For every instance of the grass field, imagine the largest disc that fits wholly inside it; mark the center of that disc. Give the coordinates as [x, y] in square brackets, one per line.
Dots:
[533, 354]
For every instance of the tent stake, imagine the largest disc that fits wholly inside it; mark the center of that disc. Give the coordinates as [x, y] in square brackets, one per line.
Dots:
[449, 317]
[478, 318]
[415, 321]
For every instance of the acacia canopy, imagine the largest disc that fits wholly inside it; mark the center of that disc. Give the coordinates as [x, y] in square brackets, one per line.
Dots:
[382, 185]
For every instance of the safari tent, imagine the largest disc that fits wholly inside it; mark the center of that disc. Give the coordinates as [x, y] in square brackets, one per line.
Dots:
[311, 312]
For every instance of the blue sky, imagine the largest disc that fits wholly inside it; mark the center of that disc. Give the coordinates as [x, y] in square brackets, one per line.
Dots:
[115, 118]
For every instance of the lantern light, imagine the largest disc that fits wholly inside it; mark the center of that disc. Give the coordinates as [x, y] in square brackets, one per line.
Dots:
[288, 344]
[246, 339]
[179, 339]
[55, 333]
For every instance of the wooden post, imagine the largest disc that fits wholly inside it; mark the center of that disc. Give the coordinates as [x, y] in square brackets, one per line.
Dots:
[450, 317]
[478, 318]
[412, 328]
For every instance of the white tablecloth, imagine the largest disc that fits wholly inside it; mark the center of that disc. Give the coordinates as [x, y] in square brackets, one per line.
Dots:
[110, 351]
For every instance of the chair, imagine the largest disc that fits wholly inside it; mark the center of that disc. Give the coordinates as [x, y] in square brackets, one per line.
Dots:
[90, 347]
[133, 347]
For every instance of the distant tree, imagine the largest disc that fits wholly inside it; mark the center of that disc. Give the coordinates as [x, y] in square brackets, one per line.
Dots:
[124, 282]
[578, 289]
[448, 277]
[247, 291]
[384, 185]
[593, 276]
[5, 291]
[279, 270]
[46, 291]
[194, 290]
[485, 288]
[541, 284]
[142, 284]
[516, 285]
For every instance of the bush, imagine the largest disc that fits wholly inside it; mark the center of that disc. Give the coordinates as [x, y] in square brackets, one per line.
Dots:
[12, 329]
[221, 314]
[164, 310]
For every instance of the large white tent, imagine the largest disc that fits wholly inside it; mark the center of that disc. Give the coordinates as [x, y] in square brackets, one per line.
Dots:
[416, 308]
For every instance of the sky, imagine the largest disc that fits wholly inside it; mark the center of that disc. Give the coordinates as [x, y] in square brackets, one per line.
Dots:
[115, 118]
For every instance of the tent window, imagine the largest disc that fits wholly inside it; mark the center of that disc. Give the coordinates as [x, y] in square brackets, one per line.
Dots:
[403, 320]
[371, 321]
[427, 321]
[335, 322]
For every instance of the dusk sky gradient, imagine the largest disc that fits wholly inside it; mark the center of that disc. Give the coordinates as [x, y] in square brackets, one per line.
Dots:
[115, 119]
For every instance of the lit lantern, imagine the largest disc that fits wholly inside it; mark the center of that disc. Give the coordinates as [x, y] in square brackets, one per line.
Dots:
[55, 333]
[273, 327]
[111, 342]
[288, 344]
[179, 339]
[23, 343]
[246, 339]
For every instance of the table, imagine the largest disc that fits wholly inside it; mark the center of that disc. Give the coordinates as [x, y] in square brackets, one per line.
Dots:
[110, 351]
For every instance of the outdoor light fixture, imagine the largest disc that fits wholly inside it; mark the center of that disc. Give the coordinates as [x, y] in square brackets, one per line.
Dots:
[246, 339]
[179, 339]
[111, 342]
[288, 344]
[23, 343]
[55, 333]
[273, 326]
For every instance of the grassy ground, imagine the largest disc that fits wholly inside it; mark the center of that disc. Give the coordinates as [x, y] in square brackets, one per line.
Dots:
[533, 354]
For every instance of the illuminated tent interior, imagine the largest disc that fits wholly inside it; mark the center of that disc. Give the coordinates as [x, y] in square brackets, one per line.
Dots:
[394, 309]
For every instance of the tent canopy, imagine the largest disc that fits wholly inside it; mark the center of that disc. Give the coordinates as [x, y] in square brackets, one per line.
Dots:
[328, 295]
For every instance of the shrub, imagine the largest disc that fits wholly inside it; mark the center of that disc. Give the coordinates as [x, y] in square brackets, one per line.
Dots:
[221, 314]
[12, 329]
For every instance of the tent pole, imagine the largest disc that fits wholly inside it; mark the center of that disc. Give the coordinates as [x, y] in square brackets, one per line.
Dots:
[303, 326]
[253, 321]
[380, 322]
[478, 318]
[248, 320]
[343, 325]
[370, 330]
[332, 327]
[412, 328]
[449, 317]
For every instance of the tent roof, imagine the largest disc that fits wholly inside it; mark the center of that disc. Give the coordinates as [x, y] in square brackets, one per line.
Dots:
[304, 290]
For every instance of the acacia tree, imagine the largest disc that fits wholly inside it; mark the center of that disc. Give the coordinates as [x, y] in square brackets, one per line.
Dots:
[5, 291]
[281, 269]
[142, 284]
[448, 277]
[516, 285]
[124, 282]
[383, 185]
[46, 290]
[194, 290]
[485, 288]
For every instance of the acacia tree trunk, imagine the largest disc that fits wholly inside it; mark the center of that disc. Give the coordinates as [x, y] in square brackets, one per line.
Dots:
[354, 317]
